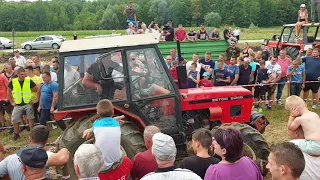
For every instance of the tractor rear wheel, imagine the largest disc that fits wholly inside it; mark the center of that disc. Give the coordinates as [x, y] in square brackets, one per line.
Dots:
[292, 51]
[255, 145]
[131, 139]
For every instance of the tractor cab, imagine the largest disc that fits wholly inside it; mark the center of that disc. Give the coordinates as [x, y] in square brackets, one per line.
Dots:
[286, 39]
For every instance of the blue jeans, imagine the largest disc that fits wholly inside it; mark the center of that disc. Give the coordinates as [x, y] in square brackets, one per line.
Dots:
[280, 87]
[295, 89]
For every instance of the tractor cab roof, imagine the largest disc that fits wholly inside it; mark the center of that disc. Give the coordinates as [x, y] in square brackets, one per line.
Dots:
[305, 25]
[109, 42]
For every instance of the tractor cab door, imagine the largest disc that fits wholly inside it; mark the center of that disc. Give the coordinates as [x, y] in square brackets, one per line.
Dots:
[152, 91]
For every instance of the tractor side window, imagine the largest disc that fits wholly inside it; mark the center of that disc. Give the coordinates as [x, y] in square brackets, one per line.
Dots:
[148, 77]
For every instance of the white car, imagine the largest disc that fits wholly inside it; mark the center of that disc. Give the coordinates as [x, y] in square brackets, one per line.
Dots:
[6, 43]
[43, 42]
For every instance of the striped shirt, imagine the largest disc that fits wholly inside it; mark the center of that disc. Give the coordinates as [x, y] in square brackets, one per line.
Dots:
[12, 166]
[171, 173]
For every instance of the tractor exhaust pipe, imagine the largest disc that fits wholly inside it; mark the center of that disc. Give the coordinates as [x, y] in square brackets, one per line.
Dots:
[181, 70]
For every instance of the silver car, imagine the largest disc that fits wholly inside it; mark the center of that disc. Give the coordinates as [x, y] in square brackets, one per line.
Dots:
[6, 43]
[43, 42]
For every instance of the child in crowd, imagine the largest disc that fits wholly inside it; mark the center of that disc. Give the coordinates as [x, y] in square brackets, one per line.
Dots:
[221, 76]
[173, 71]
[193, 76]
[300, 116]
[199, 163]
[205, 82]
[107, 135]
[264, 76]
[296, 74]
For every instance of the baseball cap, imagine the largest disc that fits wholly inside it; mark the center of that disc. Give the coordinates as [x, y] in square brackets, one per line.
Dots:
[16, 51]
[302, 5]
[33, 156]
[206, 74]
[163, 147]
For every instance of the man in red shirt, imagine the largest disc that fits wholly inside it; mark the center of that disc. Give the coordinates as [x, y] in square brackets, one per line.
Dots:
[173, 71]
[5, 105]
[205, 82]
[180, 34]
[144, 162]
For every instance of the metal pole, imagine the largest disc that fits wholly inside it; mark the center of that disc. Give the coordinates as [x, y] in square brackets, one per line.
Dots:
[13, 34]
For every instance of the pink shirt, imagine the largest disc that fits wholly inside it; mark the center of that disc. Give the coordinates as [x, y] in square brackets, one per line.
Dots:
[284, 63]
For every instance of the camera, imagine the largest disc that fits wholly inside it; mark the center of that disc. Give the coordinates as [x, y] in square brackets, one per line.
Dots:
[165, 28]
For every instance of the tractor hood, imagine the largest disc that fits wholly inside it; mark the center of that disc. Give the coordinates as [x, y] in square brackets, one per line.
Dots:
[199, 98]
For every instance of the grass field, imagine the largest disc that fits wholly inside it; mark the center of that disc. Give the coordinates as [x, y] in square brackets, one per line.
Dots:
[246, 33]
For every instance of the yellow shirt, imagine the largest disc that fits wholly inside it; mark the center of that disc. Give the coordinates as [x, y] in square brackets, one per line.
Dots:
[37, 80]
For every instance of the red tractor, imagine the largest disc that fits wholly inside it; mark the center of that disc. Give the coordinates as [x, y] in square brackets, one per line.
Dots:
[286, 40]
[147, 95]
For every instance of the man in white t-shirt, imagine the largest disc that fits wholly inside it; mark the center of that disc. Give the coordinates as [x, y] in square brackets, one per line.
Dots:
[70, 75]
[275, 69]
[20, 60]
[46, 68]
[195, 59]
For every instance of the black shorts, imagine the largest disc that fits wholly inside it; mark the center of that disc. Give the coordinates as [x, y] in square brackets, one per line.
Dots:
[5, 106]
[314, 87]
[260, 91]
[271, 89]
[301, 20]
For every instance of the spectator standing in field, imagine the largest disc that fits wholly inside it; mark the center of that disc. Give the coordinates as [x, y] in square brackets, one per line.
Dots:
[20, 95]
[227, 35]
[296, 75]
[37, 71]
[221, 76]
[207, 65]
[233, 71]
[205, 82]
[215, 35]
[131, 14]
[29, 62]
[275, 70]
[286, 161]
[302, 19]
[48, 98]
[129, 31]
[75, 37]
[312, 66]
[164, 151]
[195, 59]
[201, 143]
[232, 50]
[20, 60]
[55, 65]
[192, 35]
[70, 75]
[88, 161]
[169, 33]
[35, 99]
[173, 71]
[144, 29]
[180, 34]
[37, 62]
[246, 49]
[107, 135]
[8, 72]
[228, 144]
[38, 137]
[12, 62]
[265, 52]
[169, 59]
[284, 62]
[202, 33]
[264, 77]
[259, 57]
[144, 162]
[245, 71]
[46, 68]
[155, 29]
[222, 57]
[193, 76]
[236, 33]
[253, 70]
[5, 105]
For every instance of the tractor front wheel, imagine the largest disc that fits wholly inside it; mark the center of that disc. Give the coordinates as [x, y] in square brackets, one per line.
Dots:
[131, 139]
[292, 51]
[255, 145]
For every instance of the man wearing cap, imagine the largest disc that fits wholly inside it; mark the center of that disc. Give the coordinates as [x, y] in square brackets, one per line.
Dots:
[20, 60]
[33, 161]
[164, 151]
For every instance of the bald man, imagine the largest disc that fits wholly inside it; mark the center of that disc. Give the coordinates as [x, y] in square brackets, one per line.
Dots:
[144, 162]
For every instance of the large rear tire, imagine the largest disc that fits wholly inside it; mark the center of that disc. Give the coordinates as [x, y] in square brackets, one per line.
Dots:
[255, 145]
[292, 51]
[131, 139]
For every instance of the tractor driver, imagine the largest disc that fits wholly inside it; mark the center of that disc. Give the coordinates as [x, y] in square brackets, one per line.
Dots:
[99, 76]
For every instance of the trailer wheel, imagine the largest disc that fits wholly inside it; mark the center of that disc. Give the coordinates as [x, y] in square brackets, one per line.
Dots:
[255, 145]
[131, 139]
[292, 51]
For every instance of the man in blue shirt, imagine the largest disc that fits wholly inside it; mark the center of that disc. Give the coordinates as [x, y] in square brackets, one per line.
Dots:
[207, 65]
[48, 98]
[233, 71]
[312, 66]
[221, 76]
[296, 74]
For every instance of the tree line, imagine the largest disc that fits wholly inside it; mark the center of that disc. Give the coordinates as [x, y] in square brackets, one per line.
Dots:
[107, 14]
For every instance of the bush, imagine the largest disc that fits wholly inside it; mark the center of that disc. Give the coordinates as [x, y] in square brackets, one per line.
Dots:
[212, 19]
